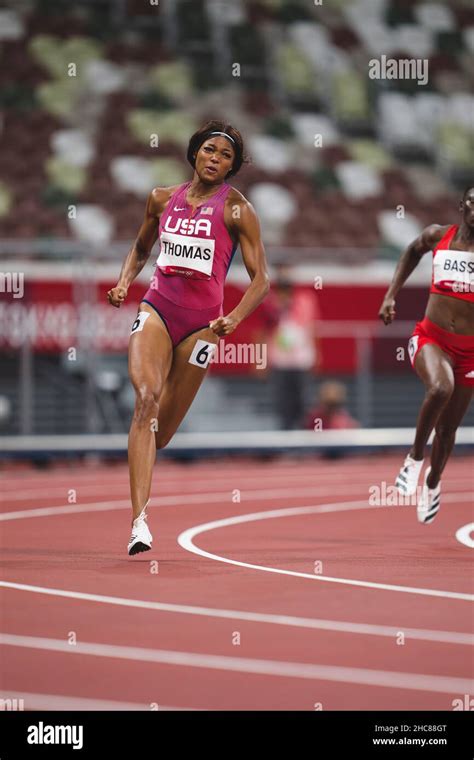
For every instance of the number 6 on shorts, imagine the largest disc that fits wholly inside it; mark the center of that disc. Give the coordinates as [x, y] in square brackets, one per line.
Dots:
[202, 353]
[139, 323]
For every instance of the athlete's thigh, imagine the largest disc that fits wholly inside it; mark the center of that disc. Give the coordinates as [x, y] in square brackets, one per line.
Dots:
[150, 351]
[457, 406]
[433, 365]
[188, 370]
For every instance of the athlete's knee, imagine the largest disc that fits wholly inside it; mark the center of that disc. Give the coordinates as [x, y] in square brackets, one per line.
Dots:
[440, 390]
[146, 402]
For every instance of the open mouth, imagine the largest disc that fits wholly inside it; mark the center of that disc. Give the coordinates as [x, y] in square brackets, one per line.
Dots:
[211, 169]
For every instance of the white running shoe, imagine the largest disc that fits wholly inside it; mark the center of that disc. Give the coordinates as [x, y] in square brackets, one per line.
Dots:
[141, 538]
[407, 478]
[429, 502]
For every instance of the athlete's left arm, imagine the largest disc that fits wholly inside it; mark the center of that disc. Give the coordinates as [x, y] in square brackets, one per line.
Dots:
[247, 229]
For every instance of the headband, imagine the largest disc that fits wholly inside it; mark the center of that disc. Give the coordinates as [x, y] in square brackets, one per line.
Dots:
[224, 134]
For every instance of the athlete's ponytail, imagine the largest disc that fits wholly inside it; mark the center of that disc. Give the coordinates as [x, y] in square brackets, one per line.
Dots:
[205, 132]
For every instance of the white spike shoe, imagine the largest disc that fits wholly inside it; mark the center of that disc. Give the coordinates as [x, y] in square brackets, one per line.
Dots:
[429, 502]
[407, 478]
[141, 538]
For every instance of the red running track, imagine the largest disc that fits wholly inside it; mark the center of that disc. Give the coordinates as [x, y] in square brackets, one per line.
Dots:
[315, 599]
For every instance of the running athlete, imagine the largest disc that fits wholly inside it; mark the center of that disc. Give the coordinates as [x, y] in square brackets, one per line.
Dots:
[180, 318]
[441, 349]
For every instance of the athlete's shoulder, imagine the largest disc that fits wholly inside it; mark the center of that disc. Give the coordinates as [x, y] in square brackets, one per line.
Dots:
[236, 198]
[239, 208]
[432, 234]
[159, 197]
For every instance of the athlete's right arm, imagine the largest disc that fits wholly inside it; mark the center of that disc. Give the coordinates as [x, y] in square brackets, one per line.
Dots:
[409, 260]
[141, 249]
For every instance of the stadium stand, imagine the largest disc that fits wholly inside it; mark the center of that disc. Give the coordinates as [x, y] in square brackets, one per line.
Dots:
[87, 87]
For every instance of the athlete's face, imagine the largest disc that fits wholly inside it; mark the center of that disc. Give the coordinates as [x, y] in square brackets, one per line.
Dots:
[467, 208]
[214, 159]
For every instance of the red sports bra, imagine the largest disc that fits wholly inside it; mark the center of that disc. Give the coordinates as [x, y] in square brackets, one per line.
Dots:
[453, 270]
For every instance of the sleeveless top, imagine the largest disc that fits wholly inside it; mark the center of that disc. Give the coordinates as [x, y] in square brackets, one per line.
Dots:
[196, 250]
[453, 269]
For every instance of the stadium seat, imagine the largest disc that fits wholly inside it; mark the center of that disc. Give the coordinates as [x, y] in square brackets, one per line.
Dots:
[11, 25]
[5, 199]
[270, 154]
[92, 224]
[350, 98]
[295, 72]
[398, 125]
[73, 146]
[398, 232]
[275, 207]
[435, 16]
[358, 180]
[175, 125]
[308, 127]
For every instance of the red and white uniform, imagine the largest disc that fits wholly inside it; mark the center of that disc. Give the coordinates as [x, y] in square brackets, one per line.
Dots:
[453, 270]
[452, 275]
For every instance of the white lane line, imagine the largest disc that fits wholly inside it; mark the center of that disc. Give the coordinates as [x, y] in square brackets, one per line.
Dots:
[341, 626]
[59, 702]
[166, 501]
[365, 676]
[199, 498]
[317, 471]
[304, 489]
[238, 481]
[464, 535]
[185, 539]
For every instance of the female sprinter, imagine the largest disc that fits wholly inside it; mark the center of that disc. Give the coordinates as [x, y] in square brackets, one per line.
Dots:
[441, 348]
[180, 318]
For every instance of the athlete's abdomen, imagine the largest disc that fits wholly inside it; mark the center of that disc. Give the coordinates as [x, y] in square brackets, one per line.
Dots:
[453, 314]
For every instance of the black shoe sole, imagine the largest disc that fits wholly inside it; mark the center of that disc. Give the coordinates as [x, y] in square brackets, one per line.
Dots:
[139, 547]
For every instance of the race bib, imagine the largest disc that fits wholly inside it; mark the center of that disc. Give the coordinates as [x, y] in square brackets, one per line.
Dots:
[186, 256]
[202, 353]
[454, 270]
[139, 323]
[413, 347]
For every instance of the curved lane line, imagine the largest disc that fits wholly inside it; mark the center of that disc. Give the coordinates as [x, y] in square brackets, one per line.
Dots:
[186, 541]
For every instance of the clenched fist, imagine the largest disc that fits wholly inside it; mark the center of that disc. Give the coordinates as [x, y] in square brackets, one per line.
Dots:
[116, 296]
[223, 325]
[387, 310]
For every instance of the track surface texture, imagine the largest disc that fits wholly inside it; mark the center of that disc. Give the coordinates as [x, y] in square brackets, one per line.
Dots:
[277, 584]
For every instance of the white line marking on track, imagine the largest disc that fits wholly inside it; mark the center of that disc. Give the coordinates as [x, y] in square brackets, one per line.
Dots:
[166, 501]
[193, 496]
[185, 539]
[240, 479]
[59, 702]
[187, 499]
[306, 670]
[341, 626]
[464, 535]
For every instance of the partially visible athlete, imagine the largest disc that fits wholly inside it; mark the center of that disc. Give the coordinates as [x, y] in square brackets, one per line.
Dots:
[199, 225]
[441, 348]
